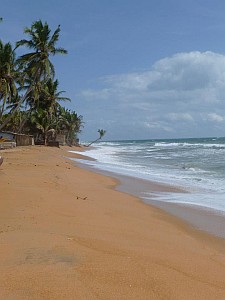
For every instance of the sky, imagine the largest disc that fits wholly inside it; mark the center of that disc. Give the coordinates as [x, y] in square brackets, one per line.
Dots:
[139, 69]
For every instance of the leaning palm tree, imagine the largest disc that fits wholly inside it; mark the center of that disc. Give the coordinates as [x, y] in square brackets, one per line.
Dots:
[101, 132]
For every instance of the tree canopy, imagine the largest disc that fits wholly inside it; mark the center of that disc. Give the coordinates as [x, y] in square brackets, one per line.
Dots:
[29, 92]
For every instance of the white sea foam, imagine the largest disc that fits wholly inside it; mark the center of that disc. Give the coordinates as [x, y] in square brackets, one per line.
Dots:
[198, 165]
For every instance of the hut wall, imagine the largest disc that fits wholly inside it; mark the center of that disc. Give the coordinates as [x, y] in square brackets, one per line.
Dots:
[61, 138]
[22, 140]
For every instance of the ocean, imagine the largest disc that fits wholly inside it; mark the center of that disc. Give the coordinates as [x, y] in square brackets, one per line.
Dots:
[195, 164]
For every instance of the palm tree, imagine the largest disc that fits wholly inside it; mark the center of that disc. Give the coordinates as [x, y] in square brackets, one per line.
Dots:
[37, 63]
[70, 123]
[42, 122]
[7, 76]
[101, 132]
[15, 123]
[36, 66]
[50, 96]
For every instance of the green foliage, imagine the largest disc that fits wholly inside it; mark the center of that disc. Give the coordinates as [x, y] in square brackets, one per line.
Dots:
[8, 76]
[29, 94]
[70, 123]
[101, 132]
[37, 63]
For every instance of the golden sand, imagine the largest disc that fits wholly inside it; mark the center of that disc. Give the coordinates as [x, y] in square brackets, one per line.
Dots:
[65, 233]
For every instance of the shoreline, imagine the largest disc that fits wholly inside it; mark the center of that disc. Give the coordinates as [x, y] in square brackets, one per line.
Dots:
[199, 217]
[66, 233]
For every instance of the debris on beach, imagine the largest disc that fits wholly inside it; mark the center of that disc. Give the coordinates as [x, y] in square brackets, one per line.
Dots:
[81, 198]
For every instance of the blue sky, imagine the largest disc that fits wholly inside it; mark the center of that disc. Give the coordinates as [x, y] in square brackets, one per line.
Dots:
[136, 68]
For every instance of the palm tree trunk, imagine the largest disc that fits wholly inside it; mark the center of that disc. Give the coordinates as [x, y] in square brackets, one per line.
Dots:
[93, 142]
[45, 138]
[2, 110]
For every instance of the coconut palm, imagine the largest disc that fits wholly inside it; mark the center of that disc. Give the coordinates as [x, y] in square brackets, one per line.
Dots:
[50, 96]
[42, 122]
[16, 121]
[37, 63]
[70, 123]
[101, 132]
[29, 95]
[36, 66]
[7, 76]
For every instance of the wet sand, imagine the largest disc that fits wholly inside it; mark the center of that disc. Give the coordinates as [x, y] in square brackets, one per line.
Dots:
[202, 218]
[66, 233]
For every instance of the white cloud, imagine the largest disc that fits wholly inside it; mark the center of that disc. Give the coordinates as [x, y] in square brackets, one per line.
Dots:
[180, 117]
[158, 125]
[92, 94]
[215, 117]
[184, 92]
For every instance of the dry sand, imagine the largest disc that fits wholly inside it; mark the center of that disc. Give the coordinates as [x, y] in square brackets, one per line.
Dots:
[65, 233]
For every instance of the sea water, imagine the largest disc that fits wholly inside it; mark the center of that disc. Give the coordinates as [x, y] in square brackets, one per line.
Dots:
[197, 165]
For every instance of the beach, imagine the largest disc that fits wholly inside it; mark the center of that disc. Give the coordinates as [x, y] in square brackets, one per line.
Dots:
[67, 233]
